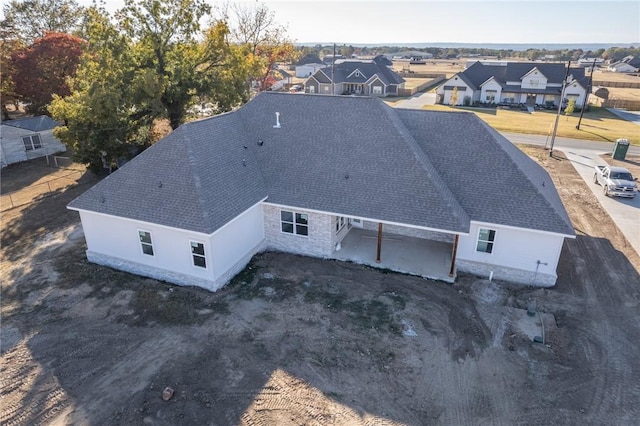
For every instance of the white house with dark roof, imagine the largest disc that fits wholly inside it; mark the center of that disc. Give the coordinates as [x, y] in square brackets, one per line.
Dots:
[423, 192]
[356, 77]
[28, 138]
[529, 83]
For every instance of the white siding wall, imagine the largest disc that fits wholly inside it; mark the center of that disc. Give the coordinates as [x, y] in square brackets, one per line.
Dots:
[115, 242]
[13, 148]
[514, 257]
[573, 90]
[490, 86]
[534, 80]
[455, 81]
[235, 243]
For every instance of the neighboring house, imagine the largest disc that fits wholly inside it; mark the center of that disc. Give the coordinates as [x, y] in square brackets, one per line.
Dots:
[530, 83]
[27, 138]
[409, 55]
[306, 70]
[627, 64]
[281, 79]
[356, 77]
[422, 192]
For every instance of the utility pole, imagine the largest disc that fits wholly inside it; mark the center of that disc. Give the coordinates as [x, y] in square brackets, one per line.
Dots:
[586, 95]
[333, 65]
[555, 126]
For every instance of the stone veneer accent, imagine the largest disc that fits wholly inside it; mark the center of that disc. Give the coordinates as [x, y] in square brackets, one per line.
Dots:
[172, 276]
[507, 274]
[409, 232]
[319, 242]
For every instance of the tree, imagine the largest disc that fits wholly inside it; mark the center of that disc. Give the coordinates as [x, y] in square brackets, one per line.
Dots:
[102, 123]
[453, 100]
[125, 84]
[32, 19]
[9, 44]
[41, 69]
[266, 41]
[571, 107]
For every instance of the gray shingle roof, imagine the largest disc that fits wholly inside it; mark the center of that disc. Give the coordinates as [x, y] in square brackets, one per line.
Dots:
[353, 156]
[35, 124]
[343, 72]
[479, 73]
[492, 179]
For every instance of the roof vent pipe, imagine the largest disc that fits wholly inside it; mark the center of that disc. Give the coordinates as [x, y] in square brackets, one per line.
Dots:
[277, 126]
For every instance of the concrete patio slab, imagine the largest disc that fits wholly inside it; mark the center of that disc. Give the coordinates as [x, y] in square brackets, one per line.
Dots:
[425, 258]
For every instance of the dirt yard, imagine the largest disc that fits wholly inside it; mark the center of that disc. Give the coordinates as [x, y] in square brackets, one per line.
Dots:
[301, 341]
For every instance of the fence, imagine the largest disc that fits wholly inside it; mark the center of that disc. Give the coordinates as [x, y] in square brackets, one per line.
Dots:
[28, 194]
[630, 105]
[424, 86]
[621, 84]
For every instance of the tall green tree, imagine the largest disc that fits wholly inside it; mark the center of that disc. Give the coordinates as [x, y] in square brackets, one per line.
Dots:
[32, 19]
[101, 121]
[166, 53]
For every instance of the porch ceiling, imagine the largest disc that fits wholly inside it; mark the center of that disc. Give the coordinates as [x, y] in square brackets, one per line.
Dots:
[416, 256]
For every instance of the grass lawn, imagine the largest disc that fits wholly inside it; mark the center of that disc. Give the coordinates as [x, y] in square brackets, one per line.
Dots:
[598, 124]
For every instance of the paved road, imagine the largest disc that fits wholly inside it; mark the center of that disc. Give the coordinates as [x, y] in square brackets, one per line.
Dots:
[585, 155]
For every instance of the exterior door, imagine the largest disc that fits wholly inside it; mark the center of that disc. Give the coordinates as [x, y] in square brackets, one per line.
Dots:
[356, 223]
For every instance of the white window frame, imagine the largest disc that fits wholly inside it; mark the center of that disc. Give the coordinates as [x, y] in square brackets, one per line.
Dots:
[490, 95]
[294, 223]
[377, 90]
[341, 221]
[312, 89]
[30, 143]
[143, 244]
[490, 242]
[194, 255]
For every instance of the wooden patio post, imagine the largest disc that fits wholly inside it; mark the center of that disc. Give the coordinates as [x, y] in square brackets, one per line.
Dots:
[453, 256]
[379, 242]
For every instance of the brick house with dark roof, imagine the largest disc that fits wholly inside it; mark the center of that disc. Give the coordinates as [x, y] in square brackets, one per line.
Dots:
[428, 193]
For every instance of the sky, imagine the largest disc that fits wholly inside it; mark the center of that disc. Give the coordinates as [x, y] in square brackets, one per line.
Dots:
[471, 21]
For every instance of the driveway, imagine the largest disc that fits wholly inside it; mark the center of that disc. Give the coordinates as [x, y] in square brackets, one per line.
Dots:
[631, 116]
[585, 155]
[417, 101]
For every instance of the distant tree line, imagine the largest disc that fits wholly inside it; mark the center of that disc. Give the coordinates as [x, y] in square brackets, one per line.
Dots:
[112, 79]
[455, 52]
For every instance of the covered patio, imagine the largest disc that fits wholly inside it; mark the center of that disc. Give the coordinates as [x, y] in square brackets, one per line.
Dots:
[416, 256]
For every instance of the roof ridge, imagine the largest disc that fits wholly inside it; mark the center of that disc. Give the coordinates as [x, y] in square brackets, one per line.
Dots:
[427, 165]
[197, 182]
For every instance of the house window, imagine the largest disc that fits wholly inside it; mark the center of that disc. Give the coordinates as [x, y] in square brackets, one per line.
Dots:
[534, 83]
[486, 237]
[340, 222]
[326, 88]
[31, 142]
[145, 242]
[377, 90]
[197, 254]
[491, 96]
[294, 223]
[312, 89]
[357, 73]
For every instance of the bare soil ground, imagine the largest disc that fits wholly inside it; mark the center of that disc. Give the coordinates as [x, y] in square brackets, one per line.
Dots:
[295, 340]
